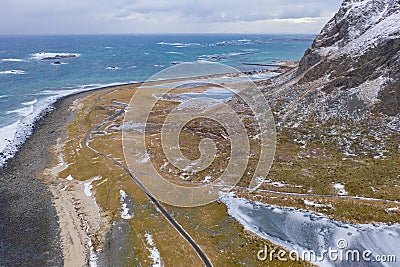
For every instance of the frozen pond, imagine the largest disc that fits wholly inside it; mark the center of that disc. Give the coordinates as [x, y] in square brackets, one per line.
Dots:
[220, 94]
[305, 231]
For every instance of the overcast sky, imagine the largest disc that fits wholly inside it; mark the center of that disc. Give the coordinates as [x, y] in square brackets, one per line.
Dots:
[164, 16]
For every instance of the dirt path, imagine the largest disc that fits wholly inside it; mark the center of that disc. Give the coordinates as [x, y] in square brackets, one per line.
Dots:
[160, 208]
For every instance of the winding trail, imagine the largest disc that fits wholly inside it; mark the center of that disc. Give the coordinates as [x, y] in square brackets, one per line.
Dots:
[294, 194]
[317, 195]
[160, 208]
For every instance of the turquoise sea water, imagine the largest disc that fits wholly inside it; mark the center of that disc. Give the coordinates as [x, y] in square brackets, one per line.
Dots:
[28, 84]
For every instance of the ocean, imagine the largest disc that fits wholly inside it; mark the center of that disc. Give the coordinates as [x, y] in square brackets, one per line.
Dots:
[29, 84]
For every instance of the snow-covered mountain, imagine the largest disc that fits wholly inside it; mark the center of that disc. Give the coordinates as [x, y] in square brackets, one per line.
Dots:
[349, 79]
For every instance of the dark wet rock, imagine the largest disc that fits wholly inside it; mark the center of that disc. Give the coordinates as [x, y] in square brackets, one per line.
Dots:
[60, 57]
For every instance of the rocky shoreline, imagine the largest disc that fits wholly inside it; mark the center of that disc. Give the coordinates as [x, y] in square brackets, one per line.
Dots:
[30, 231]
[29, 226]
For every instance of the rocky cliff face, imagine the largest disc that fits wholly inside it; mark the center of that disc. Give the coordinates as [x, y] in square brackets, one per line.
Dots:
[348, 81]
[360, 44]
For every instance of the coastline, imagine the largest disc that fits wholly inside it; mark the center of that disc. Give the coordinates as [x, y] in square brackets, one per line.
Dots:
[29, 223]
[57, 238]
[25, 132]
[50, 103]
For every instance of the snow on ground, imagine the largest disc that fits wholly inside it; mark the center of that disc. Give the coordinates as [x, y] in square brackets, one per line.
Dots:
[279, 184]
[317, 205]
[92, 218]
[93, 258]
[385, 29]
[275, 184]
[88, 188]
[154, 253]
[88, 185]
[207, 179]
[369, 90]
[164, 165]
[394, 209]
[340, 189]
[88, 192]
[145, 158]
[126, 213]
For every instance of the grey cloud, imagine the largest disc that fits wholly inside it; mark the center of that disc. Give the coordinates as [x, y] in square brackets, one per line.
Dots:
[228, 11]
[120, 16]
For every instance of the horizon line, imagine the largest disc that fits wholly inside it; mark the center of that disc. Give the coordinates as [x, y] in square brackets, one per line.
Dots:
[155, 33]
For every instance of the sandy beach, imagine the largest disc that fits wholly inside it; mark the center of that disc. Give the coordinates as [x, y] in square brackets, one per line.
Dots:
[29, 219]
[70, 219]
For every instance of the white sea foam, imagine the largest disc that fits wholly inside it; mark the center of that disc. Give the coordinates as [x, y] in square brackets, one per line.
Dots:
[113, 68]
[59, 63]
[7, 134]
[42, 55]
[250, 49]
[13, 60]
[172, 44]
[175, 53]
[180, 45]
[17, 132]
[23, 112]
[15, 72]
[21, 128]
[30, 102]
[217, 57]
[13, 135]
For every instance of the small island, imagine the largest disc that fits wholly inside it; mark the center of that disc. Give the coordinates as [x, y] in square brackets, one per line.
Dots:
[57, 57]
